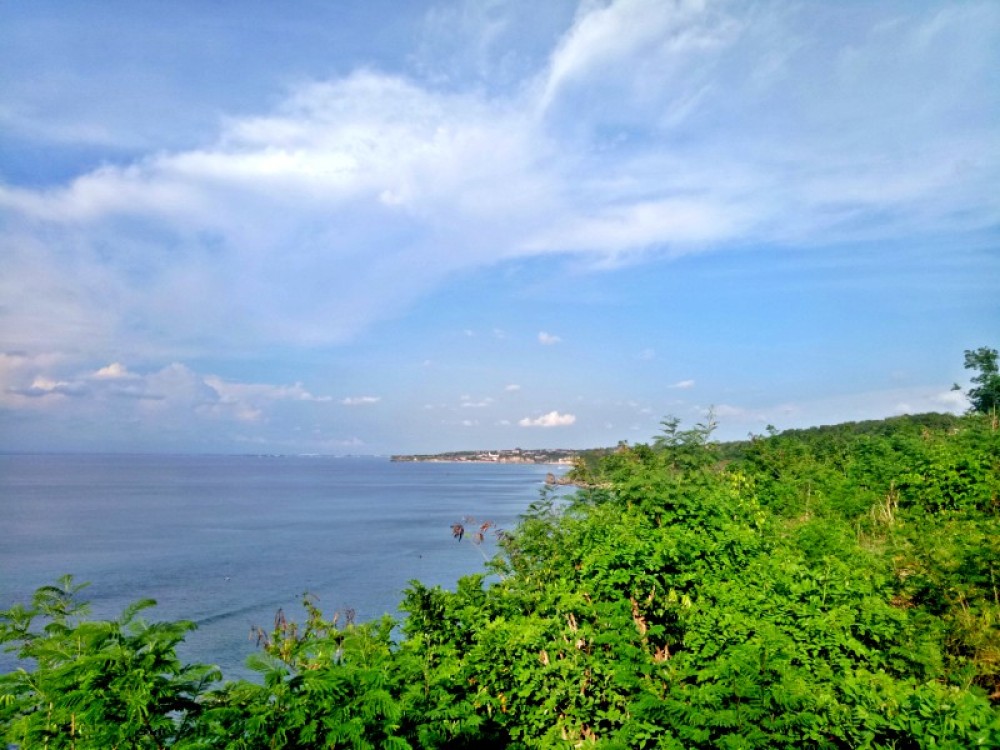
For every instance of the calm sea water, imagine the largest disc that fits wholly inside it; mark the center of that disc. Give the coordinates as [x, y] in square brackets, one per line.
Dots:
[227, 540]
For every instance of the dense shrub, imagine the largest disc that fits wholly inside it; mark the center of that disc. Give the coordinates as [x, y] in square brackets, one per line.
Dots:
[830, 588]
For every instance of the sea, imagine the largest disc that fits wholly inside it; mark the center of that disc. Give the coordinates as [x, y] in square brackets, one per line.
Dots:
[227, 541]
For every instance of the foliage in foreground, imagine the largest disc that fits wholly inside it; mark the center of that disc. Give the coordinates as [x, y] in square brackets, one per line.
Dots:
[830, 588]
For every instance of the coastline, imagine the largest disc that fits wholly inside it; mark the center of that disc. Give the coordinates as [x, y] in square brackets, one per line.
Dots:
[549, 456]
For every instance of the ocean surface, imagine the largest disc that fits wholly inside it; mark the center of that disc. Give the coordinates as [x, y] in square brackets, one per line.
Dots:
[227, 540]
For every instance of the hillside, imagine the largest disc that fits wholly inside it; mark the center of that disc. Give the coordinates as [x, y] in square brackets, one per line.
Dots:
[828, 588]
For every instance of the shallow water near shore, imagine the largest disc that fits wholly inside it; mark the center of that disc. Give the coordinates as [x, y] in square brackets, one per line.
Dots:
[227, 540]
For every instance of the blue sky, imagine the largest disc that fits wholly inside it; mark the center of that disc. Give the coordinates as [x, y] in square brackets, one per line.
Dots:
[373, 227]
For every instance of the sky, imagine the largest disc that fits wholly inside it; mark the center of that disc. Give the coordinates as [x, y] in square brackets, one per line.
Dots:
[370, 227]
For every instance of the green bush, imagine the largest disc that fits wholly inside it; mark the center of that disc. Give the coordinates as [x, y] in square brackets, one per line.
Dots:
[829, 588]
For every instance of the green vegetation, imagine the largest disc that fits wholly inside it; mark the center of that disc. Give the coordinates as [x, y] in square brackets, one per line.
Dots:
[985, 397]
[828, 588]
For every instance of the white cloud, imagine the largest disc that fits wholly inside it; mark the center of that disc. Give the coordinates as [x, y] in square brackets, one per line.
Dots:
[683, 384]
[512, 388]
[547, 339]
[231, 391]
[279, 223]
[622, 144]
[630, 40]
[114, 371]
[468, 403]
[552, 419]
[360, 400]
[43, 386]
[951, 400]
[174, 393]
[618, 230]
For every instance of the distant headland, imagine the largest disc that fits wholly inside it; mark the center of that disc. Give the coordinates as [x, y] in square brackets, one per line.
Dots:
[560, 456]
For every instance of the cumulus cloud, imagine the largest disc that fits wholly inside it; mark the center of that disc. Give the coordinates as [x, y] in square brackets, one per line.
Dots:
[114, 371]
[175, 392]
[48, 379]
[42, 386]
[547, 339]
[552, 419]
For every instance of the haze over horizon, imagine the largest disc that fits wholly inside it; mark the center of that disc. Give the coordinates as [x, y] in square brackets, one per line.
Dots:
[378, 227]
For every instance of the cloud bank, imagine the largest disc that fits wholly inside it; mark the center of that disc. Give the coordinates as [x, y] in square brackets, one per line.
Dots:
[651, 128]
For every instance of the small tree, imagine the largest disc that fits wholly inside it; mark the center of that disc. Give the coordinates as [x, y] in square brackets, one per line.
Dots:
[96, 684]
[985, 397]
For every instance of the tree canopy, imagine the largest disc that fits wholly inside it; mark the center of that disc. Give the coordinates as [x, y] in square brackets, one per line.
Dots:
[985, 396]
